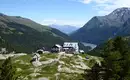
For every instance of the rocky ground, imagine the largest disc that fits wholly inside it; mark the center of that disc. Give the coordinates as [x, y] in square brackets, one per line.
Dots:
[59, 66]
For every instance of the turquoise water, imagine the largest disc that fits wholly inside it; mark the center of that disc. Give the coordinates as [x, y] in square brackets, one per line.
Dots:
[89, 44]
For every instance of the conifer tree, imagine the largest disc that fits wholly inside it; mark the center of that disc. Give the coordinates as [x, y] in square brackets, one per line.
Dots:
[94, 73]
[8, 71]
[116, 59]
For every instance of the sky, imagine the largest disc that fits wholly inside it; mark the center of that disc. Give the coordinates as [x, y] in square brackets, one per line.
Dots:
[60, 12]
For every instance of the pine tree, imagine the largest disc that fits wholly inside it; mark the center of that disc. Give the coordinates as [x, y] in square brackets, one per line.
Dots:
[116, 63]
[8, 71]
[94, 73]
[116, 59]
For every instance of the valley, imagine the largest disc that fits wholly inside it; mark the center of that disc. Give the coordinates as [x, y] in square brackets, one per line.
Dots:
[99, 50]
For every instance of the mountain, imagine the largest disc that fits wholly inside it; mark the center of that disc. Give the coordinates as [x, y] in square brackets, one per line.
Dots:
[65, 28]
[24, 35]
[101, 28]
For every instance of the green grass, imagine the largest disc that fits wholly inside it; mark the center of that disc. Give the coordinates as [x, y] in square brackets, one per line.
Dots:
[66, 60]
[64, 76]
[24, 64]
[43, 59]
[84, 55]
[25, 58]
[49, 55]
[49, 70]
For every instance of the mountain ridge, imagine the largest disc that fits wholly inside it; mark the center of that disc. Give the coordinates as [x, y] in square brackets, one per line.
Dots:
[101, 28]
[24, 35]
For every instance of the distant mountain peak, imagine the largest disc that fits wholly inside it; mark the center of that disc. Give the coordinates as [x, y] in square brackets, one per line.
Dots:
[1, 14]
[120, 14]
[121, 11]
[123, 8]
[65, 28]
[101, 28]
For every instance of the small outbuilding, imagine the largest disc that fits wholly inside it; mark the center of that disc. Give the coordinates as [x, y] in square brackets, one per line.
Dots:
[36, 57]
[40, 51]
[56, 48]
[81, 51]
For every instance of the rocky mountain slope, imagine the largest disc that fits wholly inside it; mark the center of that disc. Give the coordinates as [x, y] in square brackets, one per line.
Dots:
[24, 35]
[101, 28]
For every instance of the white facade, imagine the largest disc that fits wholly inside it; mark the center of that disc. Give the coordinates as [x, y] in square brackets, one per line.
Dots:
[58, 45]
[72, 44]
[57, 48]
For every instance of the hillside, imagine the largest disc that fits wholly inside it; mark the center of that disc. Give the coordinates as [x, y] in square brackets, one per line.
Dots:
[24, 35]
[101, 28]
[54, 66]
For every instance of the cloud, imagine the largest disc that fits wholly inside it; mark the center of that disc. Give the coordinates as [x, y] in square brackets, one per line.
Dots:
[96, 1]
[106, 6]
[85, 1]
[63, 22]
[103, 7]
